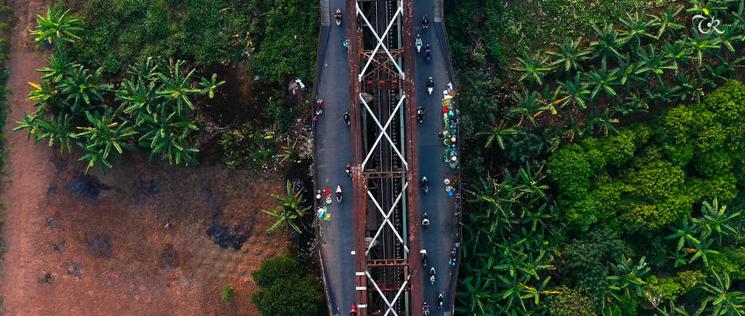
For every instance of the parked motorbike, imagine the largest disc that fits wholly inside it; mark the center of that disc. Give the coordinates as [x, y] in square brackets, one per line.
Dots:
[337, 15]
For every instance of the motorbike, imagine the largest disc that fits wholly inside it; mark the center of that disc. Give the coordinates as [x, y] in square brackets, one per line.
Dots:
[430, 85]
[348, 169]
[346, 118]
[425, 220]
[337, 15]
[420, 115]
[423, 253]
[425, 309]
[453, 256]
[425, 23]
[338, 194]
[319, 107]
[425, 185]
[432, 275]
[440, 300]
[428, 53]
[418, 43]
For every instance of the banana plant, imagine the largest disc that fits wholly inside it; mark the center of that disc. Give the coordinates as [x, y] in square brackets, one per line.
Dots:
[177, 86]
[137, 98]
[82, 88]
[169, 136]
[57, 26]
[654, 63]
[667, 20]
[636, 28]
[602, 80]
[290, 210]
[533, 68]
[702, 249]
[701, 45]
[609, 43]
[526, 108]
[209, 86]
[575, 91]
[56, 69]
[102, 136]
[627, 279]
[497, 134]
[569, 54]
[716, 219]
[725, 301]
[676, 52]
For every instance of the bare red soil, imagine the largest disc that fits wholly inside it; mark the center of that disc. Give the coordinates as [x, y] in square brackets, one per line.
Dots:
[74, 251]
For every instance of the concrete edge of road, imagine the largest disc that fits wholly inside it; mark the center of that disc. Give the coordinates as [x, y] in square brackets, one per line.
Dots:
[443, 36]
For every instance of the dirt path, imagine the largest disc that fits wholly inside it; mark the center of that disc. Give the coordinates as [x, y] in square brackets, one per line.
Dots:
[74, 248]
[28, 166]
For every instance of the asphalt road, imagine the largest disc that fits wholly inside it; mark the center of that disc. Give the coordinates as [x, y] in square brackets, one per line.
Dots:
[437, 239]
[333, 151]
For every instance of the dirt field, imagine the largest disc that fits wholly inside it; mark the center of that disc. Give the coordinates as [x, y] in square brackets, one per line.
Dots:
[100, 246]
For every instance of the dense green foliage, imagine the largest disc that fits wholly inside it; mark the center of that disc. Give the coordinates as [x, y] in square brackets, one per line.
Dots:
[271, 35]
[228, 292]
[286, 289]
[598, 158]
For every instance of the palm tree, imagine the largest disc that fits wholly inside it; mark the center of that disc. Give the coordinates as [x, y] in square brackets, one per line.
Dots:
[532, 68]
[56, 27]
[725, 301]
[608, 43]
[569, 54]
[602, 80]
[102, 136]
[177, 86]
[289, 211]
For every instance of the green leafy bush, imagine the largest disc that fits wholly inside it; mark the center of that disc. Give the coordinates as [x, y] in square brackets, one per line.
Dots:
[571, 303]
[228, 292]
[286, 288]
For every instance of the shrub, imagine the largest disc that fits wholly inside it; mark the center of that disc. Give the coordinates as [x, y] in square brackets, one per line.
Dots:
[571, 172]
[228, 292]
[670, 288]
[571, 302]
[286, 288]
[730, 261]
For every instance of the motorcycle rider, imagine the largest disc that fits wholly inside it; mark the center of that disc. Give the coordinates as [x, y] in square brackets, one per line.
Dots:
[425, 220]
[440, 300]
[428, 52]
[425, 309]
[338, 193]
[420, 114]
[423, 254]
[425, 184]
[337, 15]
[346, 117]
[348, 169]
[425, 22]
[432, 273]
[418, 43]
